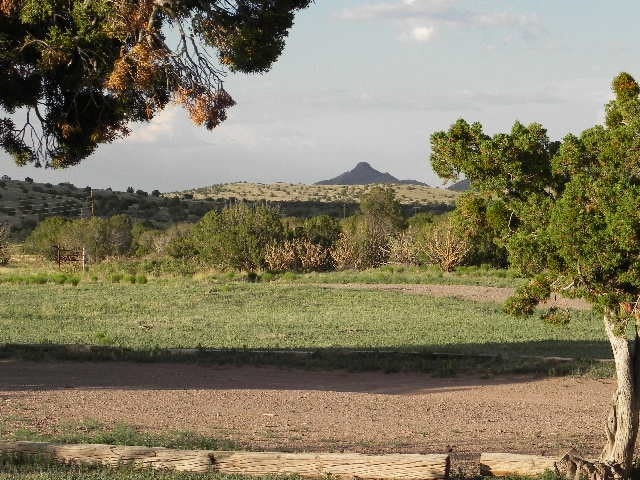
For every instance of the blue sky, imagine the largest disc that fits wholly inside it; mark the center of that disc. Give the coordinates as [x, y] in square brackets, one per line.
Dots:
[370, 80]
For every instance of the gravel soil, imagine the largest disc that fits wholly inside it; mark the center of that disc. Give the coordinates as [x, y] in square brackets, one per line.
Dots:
[269, 408]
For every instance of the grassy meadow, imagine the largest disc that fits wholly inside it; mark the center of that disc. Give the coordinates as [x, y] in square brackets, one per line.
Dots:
[187, 313]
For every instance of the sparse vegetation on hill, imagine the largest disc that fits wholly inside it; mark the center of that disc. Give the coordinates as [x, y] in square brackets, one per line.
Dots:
[23, 205]
[424, 198]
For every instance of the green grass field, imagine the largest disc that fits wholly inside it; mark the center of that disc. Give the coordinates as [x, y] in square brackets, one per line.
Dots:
[189, 313]
[428, 274]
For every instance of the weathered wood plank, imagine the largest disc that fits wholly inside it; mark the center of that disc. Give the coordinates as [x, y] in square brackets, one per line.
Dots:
[158, 458]
[503, 464]
[401, 467]
[365, 467]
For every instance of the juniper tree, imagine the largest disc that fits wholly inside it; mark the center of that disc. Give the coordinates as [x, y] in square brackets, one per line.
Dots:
[569, 215]
[75, 73]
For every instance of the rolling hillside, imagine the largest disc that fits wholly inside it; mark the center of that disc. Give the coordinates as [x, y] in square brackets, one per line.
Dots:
[407, 194]
[24, 204]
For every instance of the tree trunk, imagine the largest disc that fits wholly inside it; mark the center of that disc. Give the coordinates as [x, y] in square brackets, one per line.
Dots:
[622, 423]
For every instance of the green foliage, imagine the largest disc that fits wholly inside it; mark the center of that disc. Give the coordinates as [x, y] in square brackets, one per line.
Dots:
[421, 219]
[99, 237]
[237, 236]
[323, 230]
[380, 203]
[182, 248]
[483, 221]
[366, 237]
[49, 232]
[94, 66]
[40, 279]
[574, 207]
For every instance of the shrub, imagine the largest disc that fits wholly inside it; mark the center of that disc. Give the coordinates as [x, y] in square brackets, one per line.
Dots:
[444, 246]
[116, 277]
[47, 233]
[267, 277]
[297, 255]
[365, 238]
[130, 278]
[59, 278]
[345, 253]
[380, 205]
[141, 279]
[28, 180]
[237, 236]
[155, 193]
[99, 237]
[403, 248]
[182, 248]
[130, 190]
[323, 230]
[281, 257]
[313, 256]
[364, 243]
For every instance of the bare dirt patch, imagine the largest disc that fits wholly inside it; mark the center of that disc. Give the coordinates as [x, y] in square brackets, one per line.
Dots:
[269, 408]
[464, 292]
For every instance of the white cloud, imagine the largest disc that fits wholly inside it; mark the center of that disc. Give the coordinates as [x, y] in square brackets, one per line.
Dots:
[396, 9]
[413, 15]
[161, 127]
[419, 34]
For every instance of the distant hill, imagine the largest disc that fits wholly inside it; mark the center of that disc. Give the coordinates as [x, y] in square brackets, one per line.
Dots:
[461, 186]
[365, 174]
[24, 203]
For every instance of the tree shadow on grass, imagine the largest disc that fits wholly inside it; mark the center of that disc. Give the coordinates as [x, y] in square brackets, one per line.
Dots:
[53, 367]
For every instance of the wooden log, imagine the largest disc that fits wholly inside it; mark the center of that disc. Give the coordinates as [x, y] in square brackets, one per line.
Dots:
[158, 458]
[401, 467]
[504, 464]
[365, 467]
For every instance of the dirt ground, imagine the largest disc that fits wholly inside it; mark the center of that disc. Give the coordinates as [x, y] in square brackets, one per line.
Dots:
[475, 293]
[270, 408]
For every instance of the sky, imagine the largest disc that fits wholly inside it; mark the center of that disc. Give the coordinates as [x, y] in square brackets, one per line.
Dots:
[371, 80]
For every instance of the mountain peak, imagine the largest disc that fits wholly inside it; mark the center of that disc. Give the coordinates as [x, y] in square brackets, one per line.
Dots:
[364, 174]
[361, 165]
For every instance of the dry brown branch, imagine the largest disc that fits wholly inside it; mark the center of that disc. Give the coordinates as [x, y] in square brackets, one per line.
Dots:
[445, 247]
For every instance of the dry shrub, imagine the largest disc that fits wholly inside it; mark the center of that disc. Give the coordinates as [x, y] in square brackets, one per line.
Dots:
[403, 248]
[297, 255]
[345, 253]
[361, 248]
[313, 256]
[444, 246]
[281, 257]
